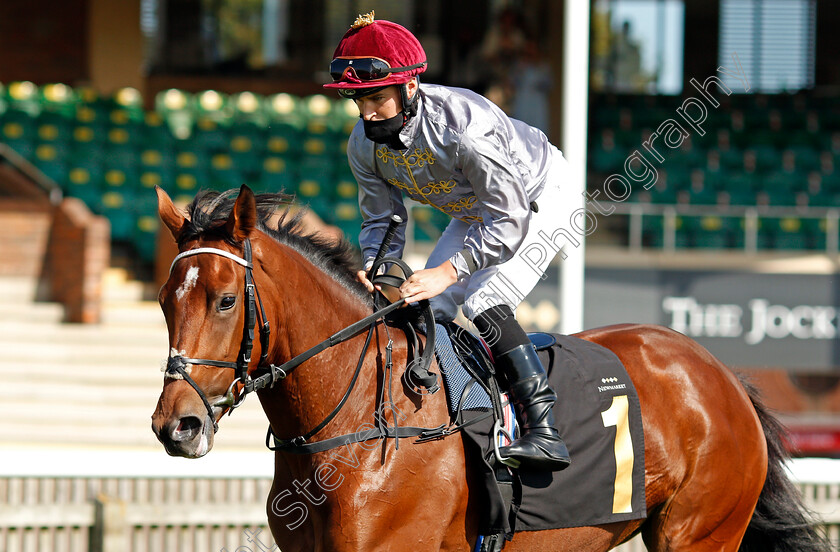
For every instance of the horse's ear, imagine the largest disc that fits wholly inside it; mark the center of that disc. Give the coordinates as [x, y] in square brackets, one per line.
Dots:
[243, 217]
[171, 216]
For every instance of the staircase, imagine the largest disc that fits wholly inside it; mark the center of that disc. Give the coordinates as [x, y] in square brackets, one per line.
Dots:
[84, 386]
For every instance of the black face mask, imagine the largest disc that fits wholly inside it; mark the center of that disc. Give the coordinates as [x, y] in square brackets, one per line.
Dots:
[386, 131]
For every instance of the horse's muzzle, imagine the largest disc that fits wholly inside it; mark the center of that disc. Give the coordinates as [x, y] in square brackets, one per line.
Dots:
[189, 437]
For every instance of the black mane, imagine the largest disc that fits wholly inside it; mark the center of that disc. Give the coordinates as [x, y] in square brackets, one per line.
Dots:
[210, 210]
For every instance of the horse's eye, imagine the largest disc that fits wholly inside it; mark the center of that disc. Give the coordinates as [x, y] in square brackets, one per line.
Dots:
[227, 303]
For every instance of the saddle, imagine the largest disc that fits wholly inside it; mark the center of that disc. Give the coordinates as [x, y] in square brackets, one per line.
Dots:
[598, 415]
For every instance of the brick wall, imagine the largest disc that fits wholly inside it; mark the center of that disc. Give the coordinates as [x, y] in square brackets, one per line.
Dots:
[78, 254]
[25, 226]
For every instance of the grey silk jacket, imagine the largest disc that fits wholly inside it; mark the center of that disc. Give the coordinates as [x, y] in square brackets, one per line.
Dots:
[465, 157]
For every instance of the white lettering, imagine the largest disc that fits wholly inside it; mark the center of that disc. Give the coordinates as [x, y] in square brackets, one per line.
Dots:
[768, 320]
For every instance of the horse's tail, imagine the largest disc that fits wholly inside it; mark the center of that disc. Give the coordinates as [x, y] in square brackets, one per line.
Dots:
[781, 522]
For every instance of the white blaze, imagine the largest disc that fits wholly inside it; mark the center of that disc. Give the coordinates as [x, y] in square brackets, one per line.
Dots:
[188, 284]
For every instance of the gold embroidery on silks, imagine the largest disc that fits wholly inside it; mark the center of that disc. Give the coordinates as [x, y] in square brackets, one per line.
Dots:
[458, 205]
[442, 187]
[418, 159]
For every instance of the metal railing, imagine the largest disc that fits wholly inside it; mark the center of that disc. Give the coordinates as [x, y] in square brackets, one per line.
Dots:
[751, 215]
[46, 184]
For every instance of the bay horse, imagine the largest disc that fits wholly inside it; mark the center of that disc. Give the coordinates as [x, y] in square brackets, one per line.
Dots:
[714, 474]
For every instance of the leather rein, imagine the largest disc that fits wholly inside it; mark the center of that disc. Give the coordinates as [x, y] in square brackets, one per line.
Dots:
[177, 366]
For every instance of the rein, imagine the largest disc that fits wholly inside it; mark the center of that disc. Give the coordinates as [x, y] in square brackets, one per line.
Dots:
[176, 365]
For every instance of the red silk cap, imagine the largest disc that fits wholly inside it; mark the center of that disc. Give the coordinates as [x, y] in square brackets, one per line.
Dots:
[384, 40]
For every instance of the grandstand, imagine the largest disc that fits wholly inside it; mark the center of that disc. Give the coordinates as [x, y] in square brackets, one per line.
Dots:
[764, 174]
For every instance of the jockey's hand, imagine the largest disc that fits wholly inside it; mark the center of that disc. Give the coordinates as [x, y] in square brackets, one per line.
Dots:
[428, 283]
[362, 277]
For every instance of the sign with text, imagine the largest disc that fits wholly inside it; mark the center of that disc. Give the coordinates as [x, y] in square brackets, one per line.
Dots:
[745, 319]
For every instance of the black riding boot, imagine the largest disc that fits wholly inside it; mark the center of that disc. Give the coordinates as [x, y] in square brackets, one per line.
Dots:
[539, 445]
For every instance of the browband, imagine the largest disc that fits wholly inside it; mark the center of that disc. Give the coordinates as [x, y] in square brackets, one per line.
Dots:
[222, 252]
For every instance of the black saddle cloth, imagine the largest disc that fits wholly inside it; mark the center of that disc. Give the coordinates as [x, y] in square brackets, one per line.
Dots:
[599, 417]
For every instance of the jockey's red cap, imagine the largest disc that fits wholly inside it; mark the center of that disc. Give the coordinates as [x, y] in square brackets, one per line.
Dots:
[383, 40]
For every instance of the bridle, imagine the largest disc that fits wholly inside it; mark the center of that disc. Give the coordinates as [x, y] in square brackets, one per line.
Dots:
[176, 366]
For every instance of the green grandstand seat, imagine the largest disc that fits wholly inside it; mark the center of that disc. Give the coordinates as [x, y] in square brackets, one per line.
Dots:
[283, 139]
[174, 106]
[806, 159]
[284, 108]
[189, 159]
[731, 159]
[223, 174]
[345, 214]
[780, 181]
[803, 139]
[318, 169]
[117, 205]
[814, 230]
[210, 136]
[88, 142]
[310, 192]
[317, 146]
[319, 108]
[628, 139]
[128, 106]
[767, 158]
[23, 96]
[782, 233]
[156, 168]
[55, 129]
[250, 109]
[214, 106]
[346, 189]
[83, 183]
[152, 158]
[148, 179]
[146, 226]
[605, 116]
[51, 161]
[277, 175]
[94, 115]
[652, 231]
[824, 199]
[710, 231]
[831, 182]
[607, 161]
[17, 130]
[155, 131]
[245, 148]
[119, 149]
[187, 184]
[59, 99]
[704, 195]
[686, 158]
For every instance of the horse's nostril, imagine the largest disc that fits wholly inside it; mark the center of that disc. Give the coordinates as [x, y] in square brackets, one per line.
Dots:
[186, 429]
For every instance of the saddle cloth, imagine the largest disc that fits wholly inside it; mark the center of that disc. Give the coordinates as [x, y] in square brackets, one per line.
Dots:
[598, 415]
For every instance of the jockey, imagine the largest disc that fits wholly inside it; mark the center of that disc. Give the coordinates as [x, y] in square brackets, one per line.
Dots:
[498, 179]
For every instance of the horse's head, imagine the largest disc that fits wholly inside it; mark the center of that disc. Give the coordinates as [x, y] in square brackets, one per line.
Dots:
[205, 303]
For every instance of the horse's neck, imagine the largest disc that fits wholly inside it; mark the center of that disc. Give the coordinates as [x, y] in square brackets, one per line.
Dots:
[313, 307]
